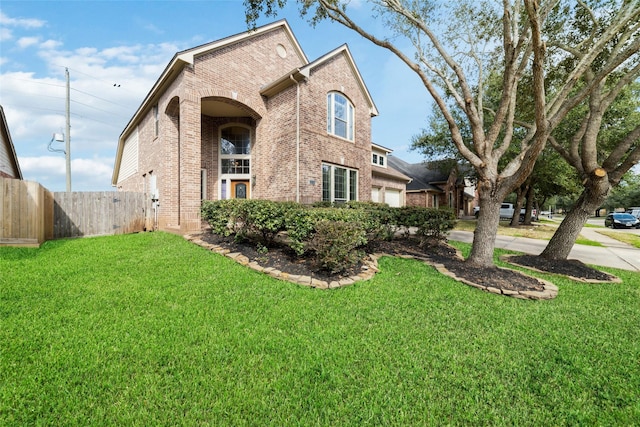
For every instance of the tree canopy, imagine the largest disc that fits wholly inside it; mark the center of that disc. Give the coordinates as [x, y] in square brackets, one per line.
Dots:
[460, 49]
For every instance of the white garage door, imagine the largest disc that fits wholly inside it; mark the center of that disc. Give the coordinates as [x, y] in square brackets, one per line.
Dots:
[375, 195]
[392, 198]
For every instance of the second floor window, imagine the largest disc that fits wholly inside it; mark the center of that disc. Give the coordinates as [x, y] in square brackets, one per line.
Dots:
[339, 116]
[235, 150]
[156, 121]
[377, 159]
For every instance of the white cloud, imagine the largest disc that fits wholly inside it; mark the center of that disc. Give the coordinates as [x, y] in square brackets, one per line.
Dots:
[152, 28]
[51, 171]
[5, 34]
[35, 108]
[50, 44]
[21, 23]
[24, 42]
[36, 165]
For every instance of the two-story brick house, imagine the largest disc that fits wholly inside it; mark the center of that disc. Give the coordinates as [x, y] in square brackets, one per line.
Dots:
[249, 116]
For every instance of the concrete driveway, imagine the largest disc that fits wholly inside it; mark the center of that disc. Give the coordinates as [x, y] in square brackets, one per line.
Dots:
[614, 253]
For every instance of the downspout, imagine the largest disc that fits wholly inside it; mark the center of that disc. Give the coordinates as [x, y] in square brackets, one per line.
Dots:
[297, 138]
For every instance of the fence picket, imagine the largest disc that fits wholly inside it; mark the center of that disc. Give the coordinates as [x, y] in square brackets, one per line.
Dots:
[31, 214]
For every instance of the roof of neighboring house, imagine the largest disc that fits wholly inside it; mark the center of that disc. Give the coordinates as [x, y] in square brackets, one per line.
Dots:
[379, 147]
[422, 178]
[389, 172]
[6, 139]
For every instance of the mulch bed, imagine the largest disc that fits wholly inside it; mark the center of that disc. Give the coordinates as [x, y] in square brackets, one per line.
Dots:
[571, 268]
[282, 258]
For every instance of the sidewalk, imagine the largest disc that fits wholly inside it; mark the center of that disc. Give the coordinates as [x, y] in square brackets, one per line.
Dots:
[614, 254]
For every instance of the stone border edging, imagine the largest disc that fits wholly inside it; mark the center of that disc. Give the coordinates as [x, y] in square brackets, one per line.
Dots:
[369, 269]
[616, 279]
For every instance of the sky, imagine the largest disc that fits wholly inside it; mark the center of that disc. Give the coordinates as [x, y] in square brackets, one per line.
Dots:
[115, 51]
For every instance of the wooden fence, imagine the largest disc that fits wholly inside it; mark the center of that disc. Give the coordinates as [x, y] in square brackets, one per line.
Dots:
[79, 214]
[30, 214]
[26, 213]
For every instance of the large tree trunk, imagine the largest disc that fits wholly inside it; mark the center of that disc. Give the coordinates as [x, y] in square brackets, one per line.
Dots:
[593, 196]
[484, 236]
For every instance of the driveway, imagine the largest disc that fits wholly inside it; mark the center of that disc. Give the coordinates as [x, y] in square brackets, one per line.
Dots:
[614, 253]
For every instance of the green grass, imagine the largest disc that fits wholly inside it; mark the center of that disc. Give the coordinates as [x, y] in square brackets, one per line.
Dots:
[631, 239]
[148, 329]
[542, 231]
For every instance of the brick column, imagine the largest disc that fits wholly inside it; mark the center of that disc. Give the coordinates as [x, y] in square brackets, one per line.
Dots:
[190, 163]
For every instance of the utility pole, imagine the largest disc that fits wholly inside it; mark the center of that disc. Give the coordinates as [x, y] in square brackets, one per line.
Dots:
[68, 133]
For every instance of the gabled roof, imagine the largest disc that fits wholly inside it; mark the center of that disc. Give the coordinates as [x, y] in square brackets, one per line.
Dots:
[187, 57]
[6, 137]
[389, 172]
[379, 147]
[422, 177]
[304, 72]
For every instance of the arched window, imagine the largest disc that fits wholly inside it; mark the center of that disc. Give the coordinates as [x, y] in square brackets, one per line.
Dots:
[339, 116]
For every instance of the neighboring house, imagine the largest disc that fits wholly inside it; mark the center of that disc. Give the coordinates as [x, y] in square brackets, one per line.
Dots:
[9, 166]
[388, 185]
[249, 116]
[435, 188]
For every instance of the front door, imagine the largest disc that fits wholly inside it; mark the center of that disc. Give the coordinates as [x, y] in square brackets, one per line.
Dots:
[240, 189]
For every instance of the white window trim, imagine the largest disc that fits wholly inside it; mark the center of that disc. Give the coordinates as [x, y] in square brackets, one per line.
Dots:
[232, 176]
[203, 184]
[379, 160]
[351, 114]
[332, 197]
[156, 120]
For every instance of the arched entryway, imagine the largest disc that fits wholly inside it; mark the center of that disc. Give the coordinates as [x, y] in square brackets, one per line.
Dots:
[228, 142]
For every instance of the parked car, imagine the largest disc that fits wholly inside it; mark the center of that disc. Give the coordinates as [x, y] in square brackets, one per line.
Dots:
[506, 212]
[634, 211]
[621, 220]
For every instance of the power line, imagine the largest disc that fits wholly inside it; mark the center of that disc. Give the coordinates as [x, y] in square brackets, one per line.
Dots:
[97, 97]
[32, 81]
[94, 77]
[73, 89]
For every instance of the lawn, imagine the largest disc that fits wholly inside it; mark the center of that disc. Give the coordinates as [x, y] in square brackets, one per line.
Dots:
[631, 239]
[148, 329]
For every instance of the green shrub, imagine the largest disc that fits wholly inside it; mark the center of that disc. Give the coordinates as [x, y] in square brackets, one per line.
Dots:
[300, 225]
[435, 224]
[265, 218]
[335, 244]
[222, 215]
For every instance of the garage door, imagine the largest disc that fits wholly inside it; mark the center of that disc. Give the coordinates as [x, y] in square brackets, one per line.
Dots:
[392, 198]
[375, 195]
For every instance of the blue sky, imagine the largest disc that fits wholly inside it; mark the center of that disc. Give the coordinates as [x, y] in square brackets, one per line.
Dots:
[128, 44]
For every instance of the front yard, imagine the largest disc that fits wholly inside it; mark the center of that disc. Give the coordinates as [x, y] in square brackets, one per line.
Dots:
[148, 329]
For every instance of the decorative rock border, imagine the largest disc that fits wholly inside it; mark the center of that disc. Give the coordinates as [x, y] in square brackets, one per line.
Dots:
[507, 258]
[369, 269]
[549, 291]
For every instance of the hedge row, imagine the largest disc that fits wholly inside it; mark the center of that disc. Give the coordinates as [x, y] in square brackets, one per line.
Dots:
[334, 235]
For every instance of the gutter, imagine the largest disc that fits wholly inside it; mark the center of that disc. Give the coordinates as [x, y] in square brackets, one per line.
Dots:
[297, 83]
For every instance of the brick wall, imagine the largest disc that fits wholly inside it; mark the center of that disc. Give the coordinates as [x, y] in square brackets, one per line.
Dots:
[188, 138]
[318, 146]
